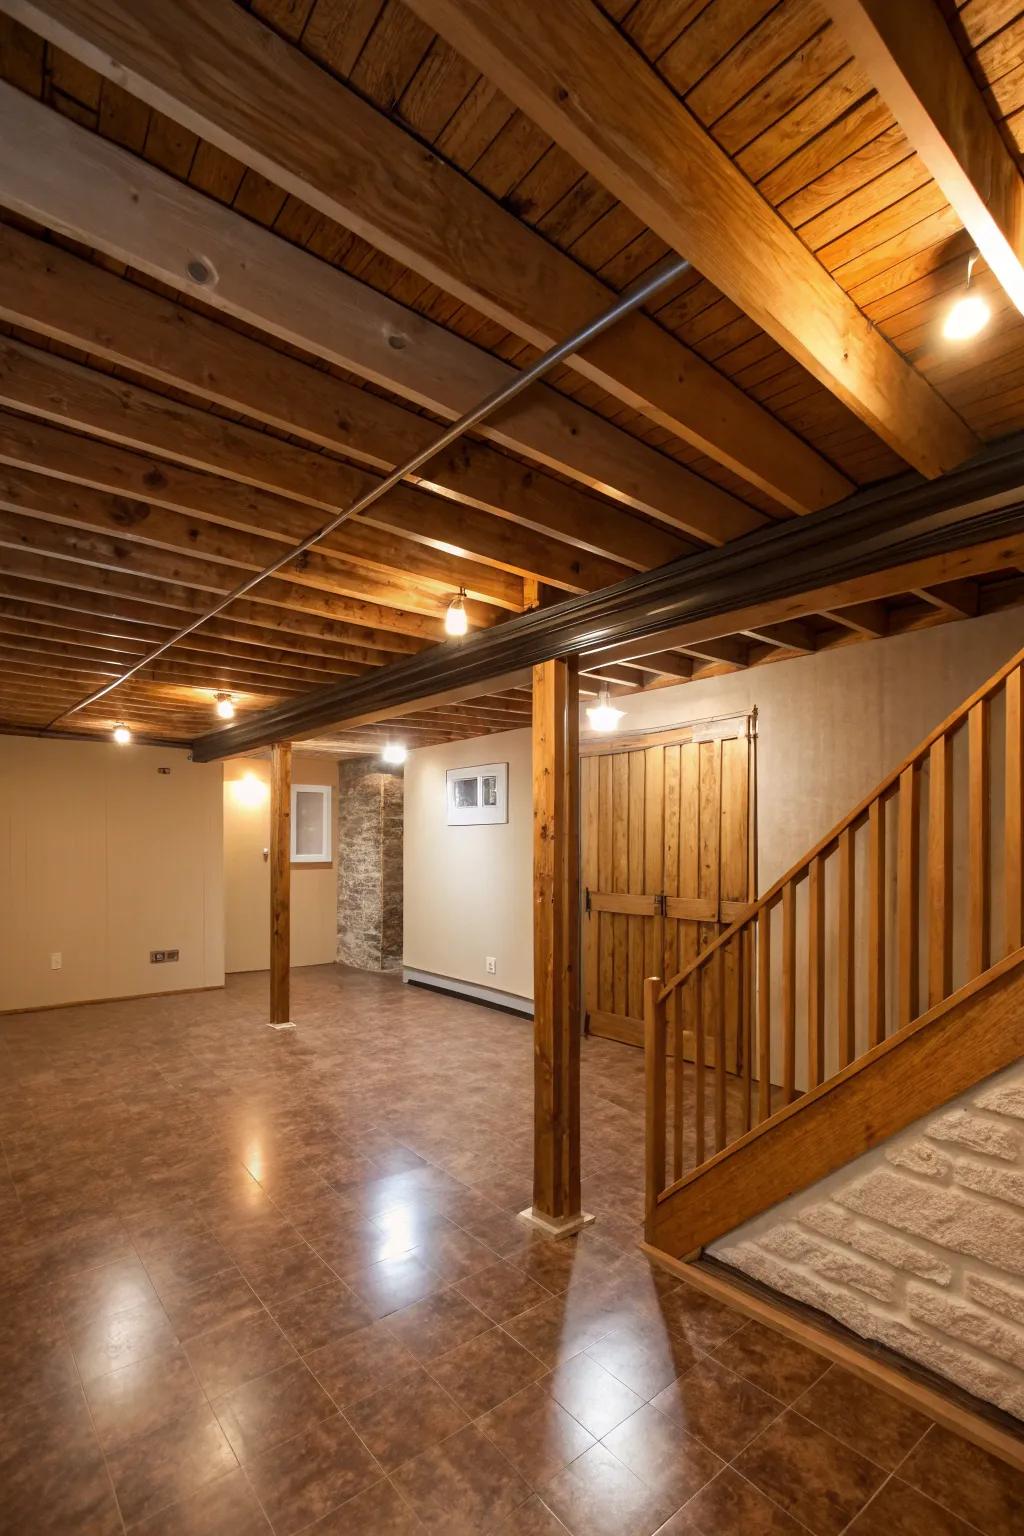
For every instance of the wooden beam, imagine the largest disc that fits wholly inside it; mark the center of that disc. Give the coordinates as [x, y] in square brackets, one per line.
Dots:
[69, 179]
[280, 880]
[570, 70]
[959, 598]
[556, 887]
[871, 618]
[791, 635]
[124, 414]
[237, 85]
[909, 54]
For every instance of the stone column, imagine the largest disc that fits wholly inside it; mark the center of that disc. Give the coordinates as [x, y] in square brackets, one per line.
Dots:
[370, 795]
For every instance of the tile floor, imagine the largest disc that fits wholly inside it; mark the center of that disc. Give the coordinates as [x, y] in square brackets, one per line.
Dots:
[257, 1282]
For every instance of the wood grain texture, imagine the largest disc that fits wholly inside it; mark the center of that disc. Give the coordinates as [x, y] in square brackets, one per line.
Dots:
[280, 880]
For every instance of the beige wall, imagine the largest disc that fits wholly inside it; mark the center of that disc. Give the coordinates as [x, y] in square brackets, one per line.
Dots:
[468, 889]
[103, 859]
[829, 728]
[247, 872]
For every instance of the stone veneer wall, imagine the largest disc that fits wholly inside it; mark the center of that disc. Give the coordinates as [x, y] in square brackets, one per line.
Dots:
[918, 1244]
[369, 865]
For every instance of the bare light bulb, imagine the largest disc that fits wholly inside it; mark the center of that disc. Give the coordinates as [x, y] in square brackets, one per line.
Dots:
[394, 752]
[122, 735]
[456, 621]
[603, 715]
[225, 706]
[968, 316]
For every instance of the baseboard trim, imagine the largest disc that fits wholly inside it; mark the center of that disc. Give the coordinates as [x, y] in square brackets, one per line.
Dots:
[1004, 1443]
[123, 997]
[490, 997]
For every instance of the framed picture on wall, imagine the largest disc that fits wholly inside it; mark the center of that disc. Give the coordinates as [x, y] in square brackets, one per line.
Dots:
[478, 796]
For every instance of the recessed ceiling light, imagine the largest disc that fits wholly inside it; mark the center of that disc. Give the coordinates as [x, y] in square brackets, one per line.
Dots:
[394, 752]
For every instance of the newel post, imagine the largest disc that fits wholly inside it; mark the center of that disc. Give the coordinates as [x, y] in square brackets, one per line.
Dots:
[655, 1067]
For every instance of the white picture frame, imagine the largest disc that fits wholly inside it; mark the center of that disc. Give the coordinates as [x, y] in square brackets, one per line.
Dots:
[477, 796]
[311, 824]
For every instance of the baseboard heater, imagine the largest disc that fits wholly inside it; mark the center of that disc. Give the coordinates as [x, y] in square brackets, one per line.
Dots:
[490, 997]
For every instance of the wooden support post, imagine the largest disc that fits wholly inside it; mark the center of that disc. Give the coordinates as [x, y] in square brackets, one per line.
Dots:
[280, 880]
[556, 937]
[656, 1077]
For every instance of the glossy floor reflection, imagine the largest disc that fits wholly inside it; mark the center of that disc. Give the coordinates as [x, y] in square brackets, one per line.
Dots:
[257, 1281]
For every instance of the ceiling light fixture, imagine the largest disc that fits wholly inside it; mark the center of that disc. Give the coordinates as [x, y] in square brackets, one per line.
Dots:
[970, 314]
[455, 620]
[603, 715]
[394, 752]
[225, 706]
[122, 735]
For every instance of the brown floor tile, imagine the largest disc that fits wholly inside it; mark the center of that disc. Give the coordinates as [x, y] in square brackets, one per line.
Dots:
[272, 1408]
[225, 1357]
[139, 1398]
[486, 1370]
[279, 1275]
[779, 1366]
[393, 1284]
[34, 1363]
[406, 1417]
[819, 1481]
[700, 1320]
[463, 1484]
[730, 1506]
[532, 1519]
[535, 1433]
[379, 1511]
[502, 1291]
[596, 1398]
[875, 1423]
[721, 1409]
[171, 1462]
[227, 1507]
[305, 1478]
[899, 1510]
[597, 1495]
[967, 1480]
[454, 1254]
[119, 1287]
[53, 1480]
[314, 1318]
[555, 1333]
[559, 1262]
[359, 1364]
[438, 1324]
[106, 1343]
[647, 1360]
[215, 1302]
[662, 1455]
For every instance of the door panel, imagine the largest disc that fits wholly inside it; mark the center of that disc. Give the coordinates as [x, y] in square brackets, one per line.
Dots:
[666, 865]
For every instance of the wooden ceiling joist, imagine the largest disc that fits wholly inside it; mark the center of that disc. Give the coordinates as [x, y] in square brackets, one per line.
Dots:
[79, 304]
[572, 72]
[907, 50]
[73, 181]
[220, 73]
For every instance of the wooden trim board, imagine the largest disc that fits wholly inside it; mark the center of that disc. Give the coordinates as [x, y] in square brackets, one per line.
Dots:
[123, 997]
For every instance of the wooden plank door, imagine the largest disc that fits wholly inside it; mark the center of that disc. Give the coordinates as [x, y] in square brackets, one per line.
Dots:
[666, 865]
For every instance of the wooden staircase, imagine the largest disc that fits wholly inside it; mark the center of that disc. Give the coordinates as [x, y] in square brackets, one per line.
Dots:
[879, 978]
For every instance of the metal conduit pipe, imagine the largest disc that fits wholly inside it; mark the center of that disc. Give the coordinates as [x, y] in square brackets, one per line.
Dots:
[632, 299]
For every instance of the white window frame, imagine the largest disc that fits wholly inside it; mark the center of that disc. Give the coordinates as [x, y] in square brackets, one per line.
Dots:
[478, 815]
[325, 855]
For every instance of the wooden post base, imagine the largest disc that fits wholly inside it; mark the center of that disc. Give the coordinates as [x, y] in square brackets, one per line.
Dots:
[555, 1226]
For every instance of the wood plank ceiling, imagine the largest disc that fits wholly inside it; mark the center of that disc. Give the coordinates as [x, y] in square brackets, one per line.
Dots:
[236, 291]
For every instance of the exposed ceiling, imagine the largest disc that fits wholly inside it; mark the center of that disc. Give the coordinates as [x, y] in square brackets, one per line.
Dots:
[254, 255]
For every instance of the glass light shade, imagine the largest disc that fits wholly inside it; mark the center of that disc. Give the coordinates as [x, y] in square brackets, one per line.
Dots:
[394, 752]
[122, 735]
[603, 715]
[455, 620]
[225, 707]
[969, 315]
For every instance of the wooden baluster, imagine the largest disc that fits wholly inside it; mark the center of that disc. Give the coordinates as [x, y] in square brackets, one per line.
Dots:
[815, 972]
[940, 871]
[718, 1004]
[847, 999]
[746, 939]
[1014, 855]
[698, 1065]
[907, 898]
[764, 1014]
[788, 992]
[876, 922]
[978, 917]
[655, 1071]
[678, 1070]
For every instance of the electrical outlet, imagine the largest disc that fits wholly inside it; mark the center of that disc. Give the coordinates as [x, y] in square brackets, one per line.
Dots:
[492, 965]
[172, 954]
[56, 960]
[157, 956]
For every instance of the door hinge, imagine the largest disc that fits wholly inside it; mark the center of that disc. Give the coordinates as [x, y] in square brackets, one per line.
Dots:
[660, 903]
[586, 899]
